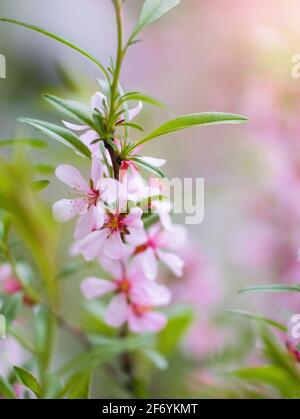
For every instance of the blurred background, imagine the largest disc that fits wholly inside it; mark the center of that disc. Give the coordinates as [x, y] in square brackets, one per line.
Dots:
[233, 58]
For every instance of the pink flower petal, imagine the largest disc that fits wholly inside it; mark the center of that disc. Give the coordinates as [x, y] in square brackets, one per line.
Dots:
[96, 171]
[173, 239]
[116, 312]
[132, 113]
[153, 161]
[148, 322]
[99, 215]
[88, 137]
[137, 237]
[134, 218]
[114, 247]
[85, 224]
[97, 101]
[172, 261]
[72, 177]
[111, 191]
[91, 245]
[158, 295]
[93, 287]
[149, 263]
[75, 127]
[65, 209]
[5, 272]
[111, 266]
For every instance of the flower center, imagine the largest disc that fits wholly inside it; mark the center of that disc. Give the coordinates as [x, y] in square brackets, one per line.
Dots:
[115, 223]
[139, 310]
[124, 285]
[92, 196]
[142, 247]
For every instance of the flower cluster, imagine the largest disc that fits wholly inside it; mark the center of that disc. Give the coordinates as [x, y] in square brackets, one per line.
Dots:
[111, 229]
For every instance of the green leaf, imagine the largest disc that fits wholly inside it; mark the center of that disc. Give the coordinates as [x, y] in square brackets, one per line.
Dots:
[153, 10]
[6, 389]
[28, 380]
[60, 134]
[71, 269]
[149, 220]
[260, 319]
[148, 166]
[106, 350]
[44, 169]
[72, 109]
[192, 120]
[43, 335]
[271, 288]
[271, 375]
[39, 185]
[35, 143]
[157, 359]
[5, 225]
[178, 323]
[11, 307]
[78, 386]
[131, 125]
[24, 340]
[143, 98]
[26, 277]
[58, 39]
[53, 386]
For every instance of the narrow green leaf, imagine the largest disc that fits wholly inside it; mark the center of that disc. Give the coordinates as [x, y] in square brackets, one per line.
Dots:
[58, 39]
[271, 288]
[60, 134]
[35, 143]
[79, 385]
[6, 389]
[260, 319]
[26, 277]
[153, 10]
[157, 359]
[131, 125]
[72, 109]
[5, 225]
[11, 307]
[178, 323]
[24, 340]
[39, 185]
[136, 96]
[149, 220]
[44, 169]
[148, 166]
[28, 380]
[105, 351]
[43, 335]
[270, 375]
[53, 387]
[192, 120]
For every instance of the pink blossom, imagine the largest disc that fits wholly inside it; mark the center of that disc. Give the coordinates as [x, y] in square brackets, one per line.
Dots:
[134, 297]
[109, 238]
[10, 284]
[158, 244]
[92, 197]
